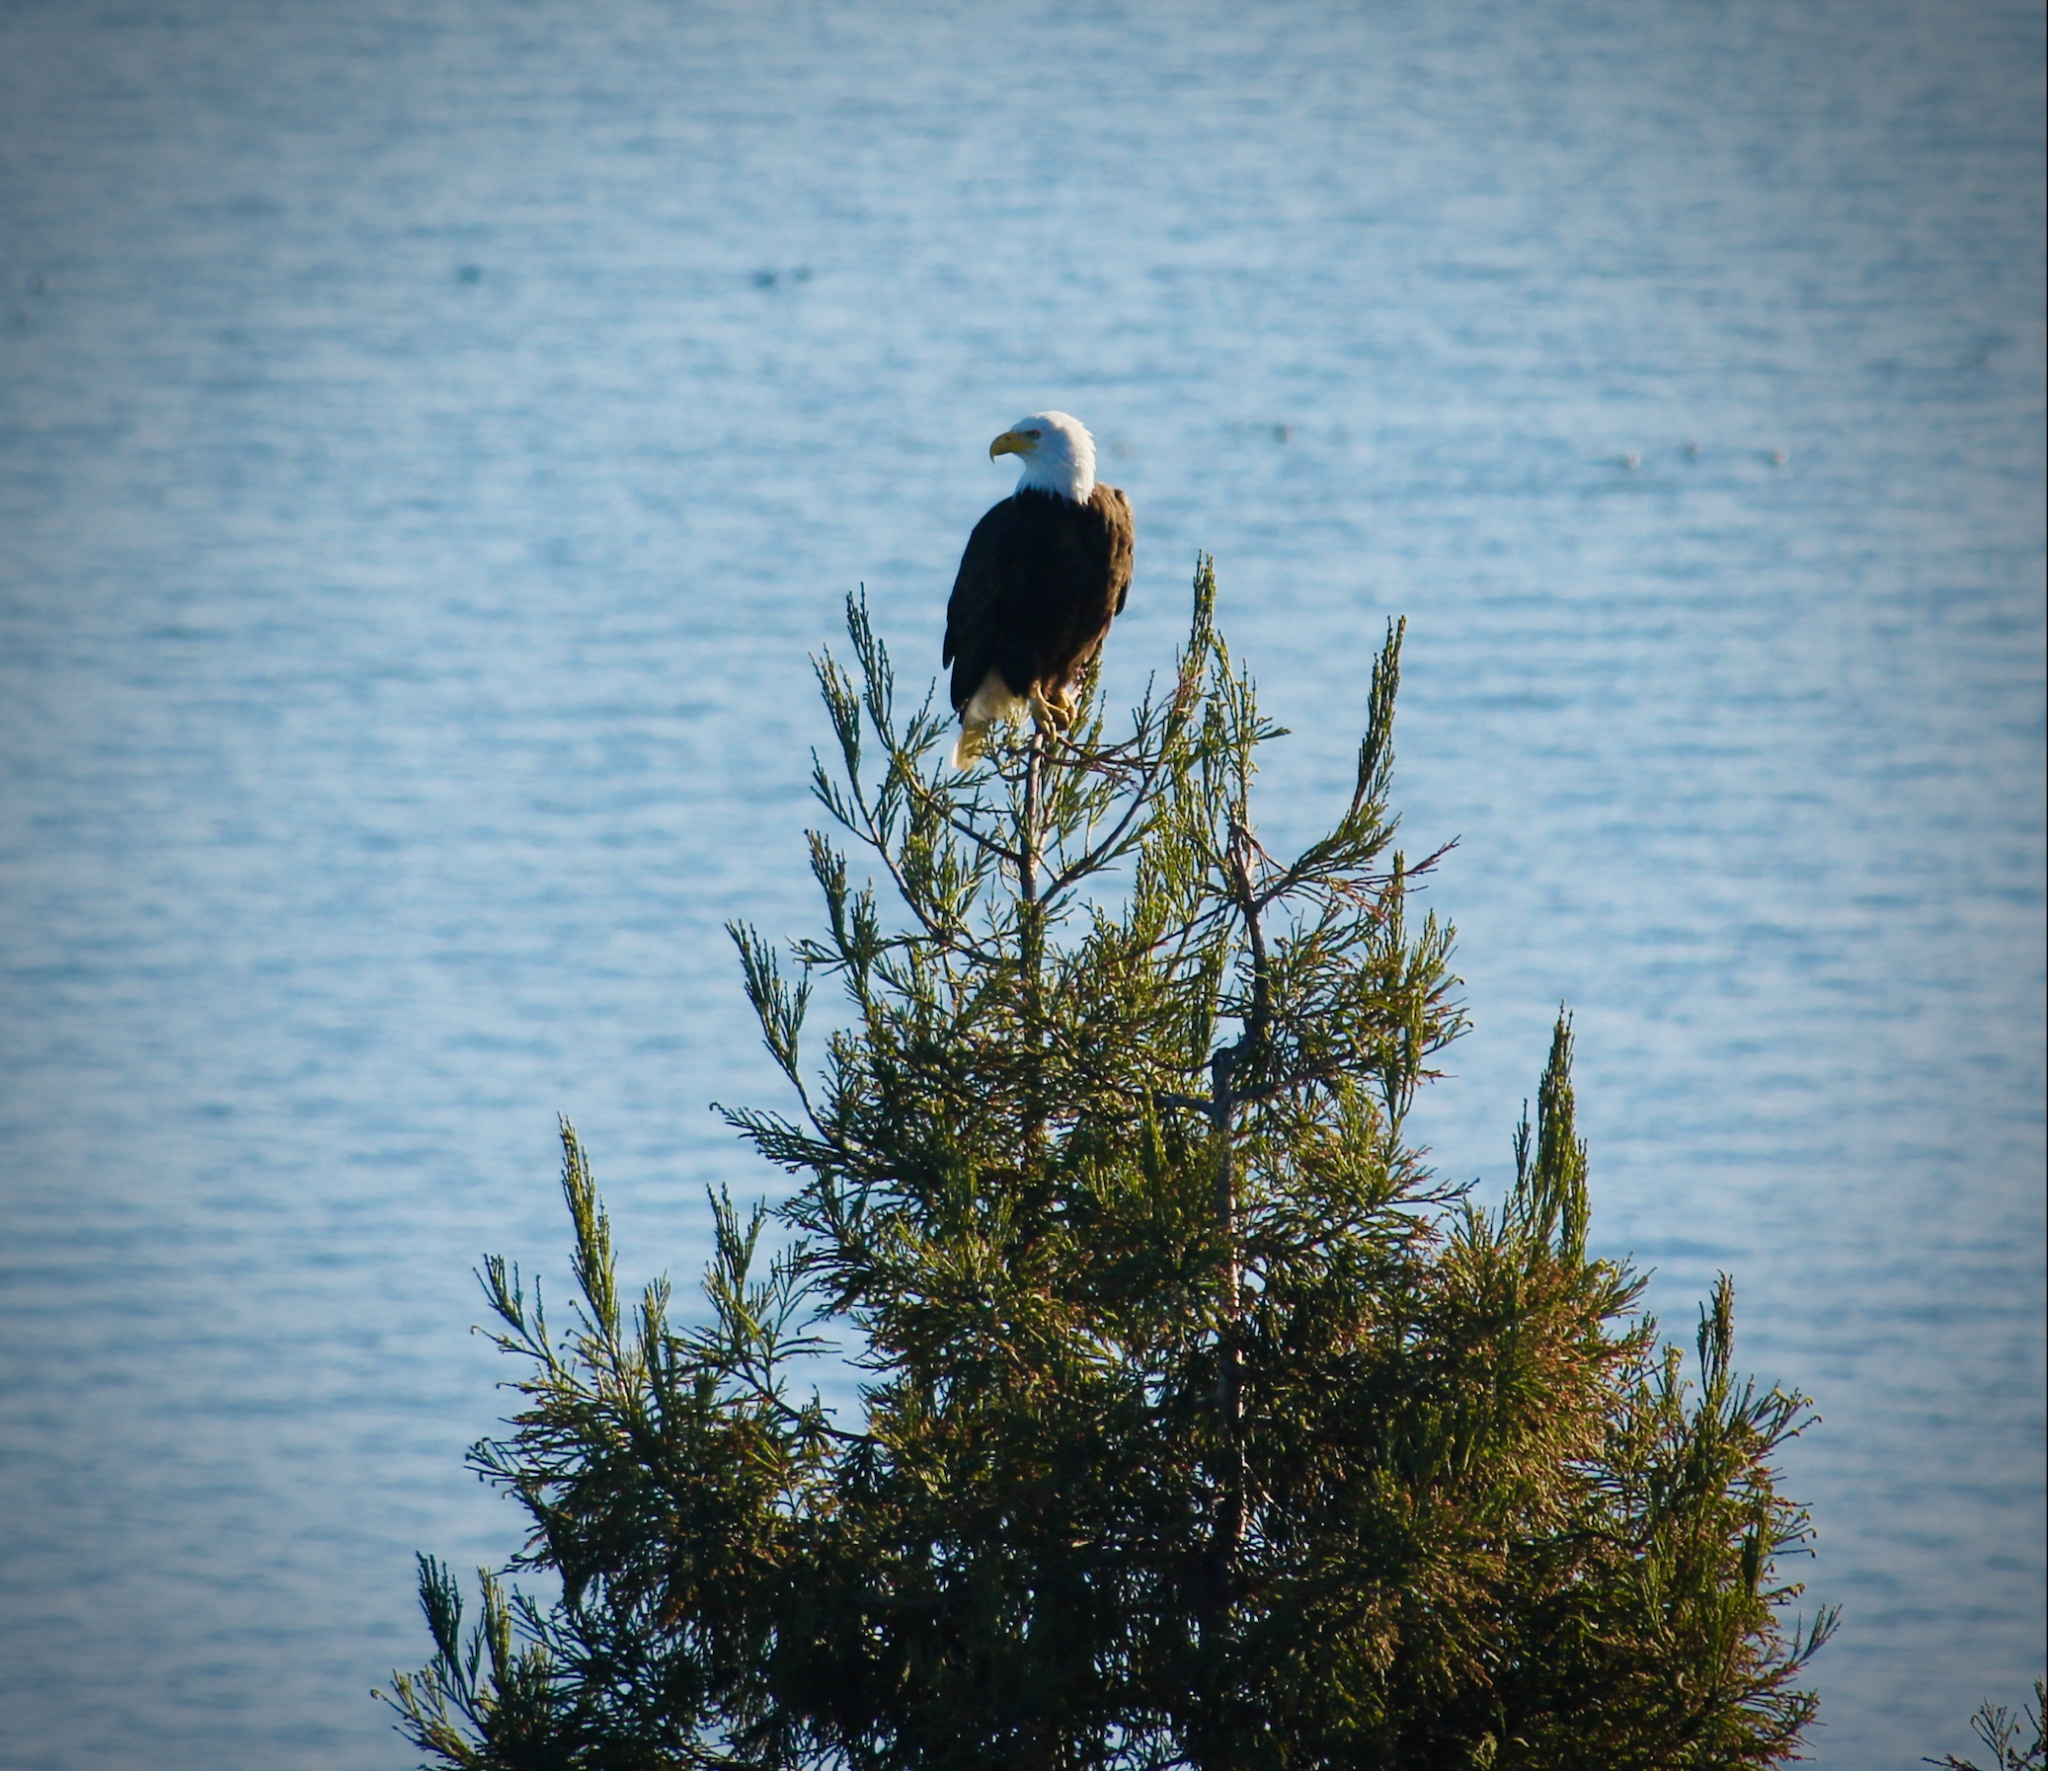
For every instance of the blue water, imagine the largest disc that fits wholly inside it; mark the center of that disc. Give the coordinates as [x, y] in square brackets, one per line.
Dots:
[432, 437]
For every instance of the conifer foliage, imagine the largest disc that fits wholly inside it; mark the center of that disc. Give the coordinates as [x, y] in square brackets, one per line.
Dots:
[1200, 1425]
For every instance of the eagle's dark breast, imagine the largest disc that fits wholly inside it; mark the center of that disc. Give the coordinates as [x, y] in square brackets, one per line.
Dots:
[1039, 584]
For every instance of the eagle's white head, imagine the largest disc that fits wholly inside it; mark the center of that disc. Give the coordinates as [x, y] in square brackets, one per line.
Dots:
[1057, 452]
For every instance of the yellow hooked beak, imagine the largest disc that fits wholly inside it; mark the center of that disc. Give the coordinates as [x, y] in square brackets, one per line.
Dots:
[1011, 442]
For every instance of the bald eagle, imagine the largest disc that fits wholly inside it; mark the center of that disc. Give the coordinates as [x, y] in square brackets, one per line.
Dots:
[1044, 574]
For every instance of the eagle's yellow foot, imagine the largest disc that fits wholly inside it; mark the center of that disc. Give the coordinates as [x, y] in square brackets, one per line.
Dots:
[1050, 715]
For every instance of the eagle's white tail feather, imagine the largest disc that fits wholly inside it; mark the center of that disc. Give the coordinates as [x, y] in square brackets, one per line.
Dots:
[967, 748]
[994, 700]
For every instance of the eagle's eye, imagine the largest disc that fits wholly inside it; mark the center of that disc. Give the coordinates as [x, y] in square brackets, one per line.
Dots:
[1034, 435]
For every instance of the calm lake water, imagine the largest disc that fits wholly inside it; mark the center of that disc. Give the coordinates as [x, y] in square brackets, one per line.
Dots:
[432, 437]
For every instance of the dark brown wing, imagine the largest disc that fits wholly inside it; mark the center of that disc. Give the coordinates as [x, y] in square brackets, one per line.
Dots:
[1116, 508]
[1038, 586]
[985, 591]
[1083, 588]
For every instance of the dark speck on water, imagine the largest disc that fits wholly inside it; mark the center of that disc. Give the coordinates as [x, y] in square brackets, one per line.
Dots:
[397, 695]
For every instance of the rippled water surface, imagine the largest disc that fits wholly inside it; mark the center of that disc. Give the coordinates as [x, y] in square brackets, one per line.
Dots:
[432, 437]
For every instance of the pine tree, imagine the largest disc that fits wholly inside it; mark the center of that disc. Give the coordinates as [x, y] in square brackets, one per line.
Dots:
[2004, 1736]
[1200, 1425]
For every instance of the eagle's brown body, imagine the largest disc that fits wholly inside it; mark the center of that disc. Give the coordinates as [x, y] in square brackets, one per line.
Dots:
[1039, 584]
